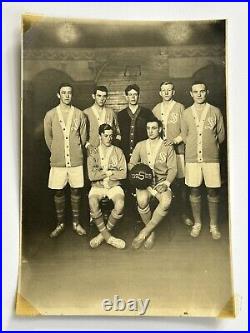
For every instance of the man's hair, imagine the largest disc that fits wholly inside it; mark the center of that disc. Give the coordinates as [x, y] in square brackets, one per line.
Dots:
[104, 127]
[198, 82]
[101, 88]
[62, 85]
[165, 83]
[132, 86]
[154, 120]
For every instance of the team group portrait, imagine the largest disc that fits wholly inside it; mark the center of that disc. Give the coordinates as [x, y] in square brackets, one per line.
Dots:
[124, 169]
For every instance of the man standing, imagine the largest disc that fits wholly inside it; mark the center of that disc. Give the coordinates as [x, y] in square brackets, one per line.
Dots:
[132, 121]
[202, 132]
[161, 159]
[170, 112]
[99, 114]
[106, 168]
[65, 135]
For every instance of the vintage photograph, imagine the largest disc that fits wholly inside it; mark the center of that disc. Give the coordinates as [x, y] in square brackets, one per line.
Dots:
[124, 175]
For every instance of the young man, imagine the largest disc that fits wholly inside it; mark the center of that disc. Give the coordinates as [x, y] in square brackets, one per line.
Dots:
[170, 112]
[161, 159]
[65, 135]
[98, 114]
[202, 132]
[106, 168]
[132, 121]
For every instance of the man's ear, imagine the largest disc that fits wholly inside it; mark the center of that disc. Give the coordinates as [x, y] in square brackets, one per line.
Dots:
[58, 95]
[191, 94]
[207, 92]
[93, 96]
[173, 92]
[160, 93]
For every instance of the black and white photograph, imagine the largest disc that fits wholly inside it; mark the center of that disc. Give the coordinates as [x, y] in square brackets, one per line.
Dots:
[125, 170]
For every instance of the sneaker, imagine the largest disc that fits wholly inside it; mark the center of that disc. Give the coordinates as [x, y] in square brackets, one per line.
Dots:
[96, 241]
[149, 242]
[196, 229]
[78, 229]
[137, 242]
[187, 221]
[116, 242]
[215, 232]
[57, 231]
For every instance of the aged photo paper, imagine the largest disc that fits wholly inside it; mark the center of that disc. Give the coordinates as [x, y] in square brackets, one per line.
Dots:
[185, 270]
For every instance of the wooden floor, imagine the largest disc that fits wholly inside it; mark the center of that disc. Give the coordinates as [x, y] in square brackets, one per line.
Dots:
[181, 276]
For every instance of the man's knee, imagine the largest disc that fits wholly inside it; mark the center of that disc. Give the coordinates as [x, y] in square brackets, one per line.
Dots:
[142, 199]
[119, 205]
[165, 200]
[59, 193]
[212, 192]
[195, 192]
[75, 191]
[94, 204]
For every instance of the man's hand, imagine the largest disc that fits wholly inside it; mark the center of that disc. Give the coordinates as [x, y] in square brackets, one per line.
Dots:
[109, 173]
[161, 187]
[168, 142]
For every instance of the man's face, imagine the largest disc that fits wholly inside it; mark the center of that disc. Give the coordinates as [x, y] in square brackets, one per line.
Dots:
[100, 97]
[65, 95]
[199, 93]
[167, 92]
[153, 130]
[107, 137]
[132, 97]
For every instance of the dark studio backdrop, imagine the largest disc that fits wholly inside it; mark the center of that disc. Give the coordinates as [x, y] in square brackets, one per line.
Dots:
[114, 54]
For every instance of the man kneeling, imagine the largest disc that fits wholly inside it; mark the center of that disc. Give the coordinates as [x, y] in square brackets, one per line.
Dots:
[162, 160]
[106, 167]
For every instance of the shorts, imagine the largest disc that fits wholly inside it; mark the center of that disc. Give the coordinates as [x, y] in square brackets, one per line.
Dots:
[180, 166]
[60, 176]
[196, 172]
[101, 192]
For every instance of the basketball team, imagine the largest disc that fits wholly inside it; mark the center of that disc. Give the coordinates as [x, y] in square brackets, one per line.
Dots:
[177, 147]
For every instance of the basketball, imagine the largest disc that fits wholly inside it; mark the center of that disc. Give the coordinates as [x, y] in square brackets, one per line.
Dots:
[141, 176]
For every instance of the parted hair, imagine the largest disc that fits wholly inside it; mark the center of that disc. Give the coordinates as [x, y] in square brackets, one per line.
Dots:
[154, 120]
[165, 83]
[101, 88]
[103, 128]
[198, 82]
[131, 87]
[62, 85]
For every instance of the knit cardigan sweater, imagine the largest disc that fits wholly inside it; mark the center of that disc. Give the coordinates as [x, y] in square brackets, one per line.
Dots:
[93, 125]
[66, 149]
[173, 124]
[203, 134]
